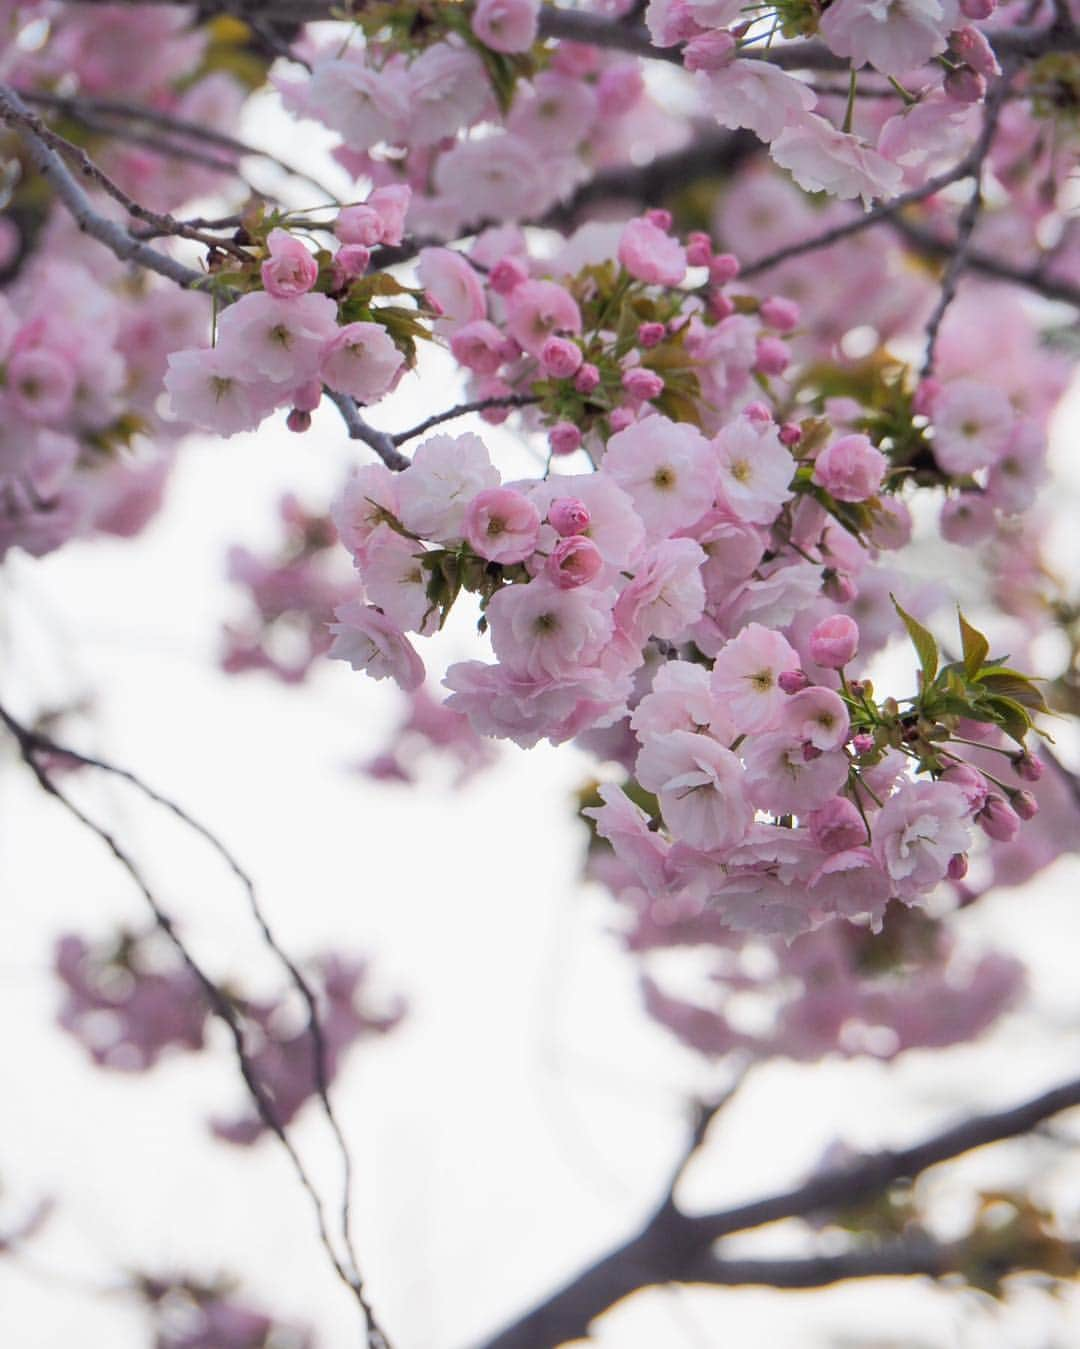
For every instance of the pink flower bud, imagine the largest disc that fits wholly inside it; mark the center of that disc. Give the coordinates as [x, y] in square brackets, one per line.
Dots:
[790, 434]
[862, 743]
[699, 249]
[560, 357]
[850, 469]
[1025, 805]
[651, 334]
[568, 515]
[958, 866]
[297, 420]
[723, 268]
[350, 261]
[574, 561]
[506, 25]
[772, 356]
[1027, 767]
[506, 275]
[838, 586]
[290, 269]
[792, 681]
[359, 225]
[925, 395]
[999, 820]
[971, 47]
[758, 412]
[837, 826]
[621, 418]
[564, 438]
[478, 346]
[721, 306]
[663, 220]
[587, 378]
[781, 314]
[709, 51]
[964, 85]
[641, 383]
[834, 642]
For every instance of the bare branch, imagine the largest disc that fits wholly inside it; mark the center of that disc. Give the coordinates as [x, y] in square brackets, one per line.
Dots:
[33, 748]
[672, 1246]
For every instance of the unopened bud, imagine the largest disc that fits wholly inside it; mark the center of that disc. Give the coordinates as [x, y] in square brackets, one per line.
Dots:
[792, 681]
[298, 420]
[862, 743]
[958, 866]
[1025, 805]
[1026, 766]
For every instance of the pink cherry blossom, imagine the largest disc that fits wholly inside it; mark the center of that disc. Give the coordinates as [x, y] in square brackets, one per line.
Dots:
[290, 269]
[502, 525]
[701, 788]
[434, 492]
[506, 25]
[893, 36]
[535, 310]
[758, 96]
[665, 596]
[745, 677]
[822, 159]
[371, 642]
[850, 469]
[667, 470]
[780, 778]
[650, 254]
[818, 717]
[280, 341]
[574, 561]
[972, 422]
[916, 833]
[543, 631]
[755, 470]
[206, 390]
[361, 360]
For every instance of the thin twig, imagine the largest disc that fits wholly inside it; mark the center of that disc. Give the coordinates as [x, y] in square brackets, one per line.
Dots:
[966, 221]
[884, 211]
[136, 112]
[511, 400]
[31, 747]
[44, 744]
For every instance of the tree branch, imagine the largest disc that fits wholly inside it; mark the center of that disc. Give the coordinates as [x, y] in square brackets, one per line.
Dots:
[33, 747]
[672, 1245]
[511, 400]
[118, 240]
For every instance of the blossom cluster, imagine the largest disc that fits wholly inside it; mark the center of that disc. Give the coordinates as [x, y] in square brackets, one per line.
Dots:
[128, 1003]
[281, 344]
[82, 446]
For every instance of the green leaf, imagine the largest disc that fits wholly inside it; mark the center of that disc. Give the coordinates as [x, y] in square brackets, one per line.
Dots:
[1013, 685]
[976, 647]
[923, 641]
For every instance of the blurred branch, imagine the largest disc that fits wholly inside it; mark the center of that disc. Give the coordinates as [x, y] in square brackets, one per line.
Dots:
[52, 168]
[119, 110]
[968, 217]
[36, 749]
[673, 1247]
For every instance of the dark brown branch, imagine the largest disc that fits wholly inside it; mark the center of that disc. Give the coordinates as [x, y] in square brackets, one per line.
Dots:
[965, 224]
[511, 400]
[33, 748]
[896, 1260]
[672, 1245]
